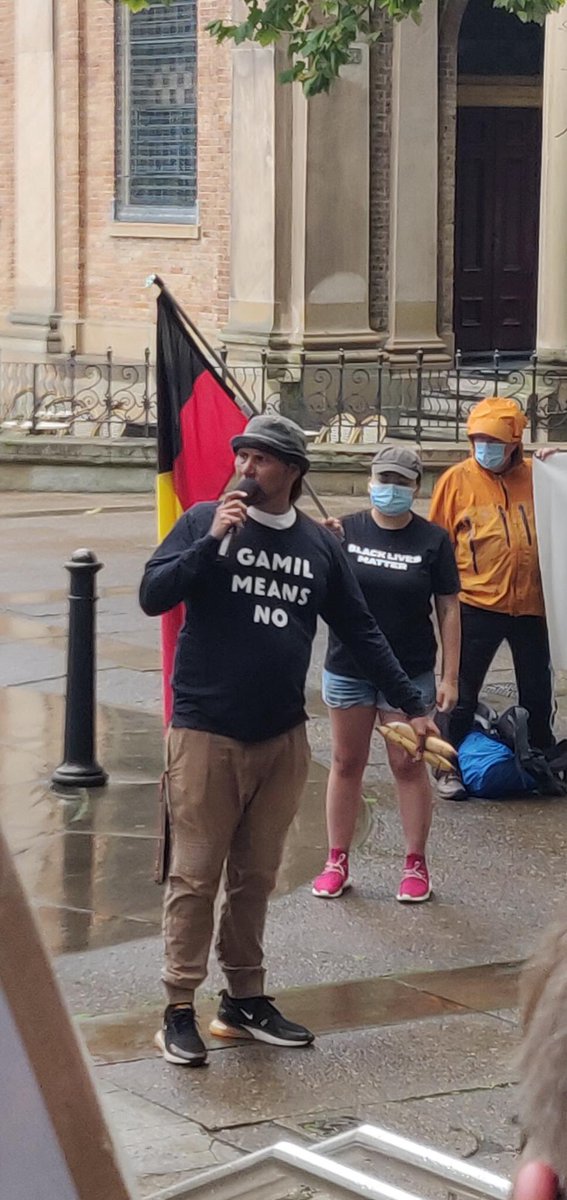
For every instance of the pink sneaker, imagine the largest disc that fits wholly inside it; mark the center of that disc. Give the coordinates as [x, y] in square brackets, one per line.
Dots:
[334, 879]
[416, 884]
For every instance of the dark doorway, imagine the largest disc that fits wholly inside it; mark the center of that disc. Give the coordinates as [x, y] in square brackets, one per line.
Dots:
[498, 166]
[496, 228]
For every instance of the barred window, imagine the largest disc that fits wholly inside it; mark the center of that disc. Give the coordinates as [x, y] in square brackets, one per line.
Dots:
[156, 112]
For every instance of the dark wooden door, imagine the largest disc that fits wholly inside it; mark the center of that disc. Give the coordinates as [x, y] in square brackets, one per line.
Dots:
[496, 228]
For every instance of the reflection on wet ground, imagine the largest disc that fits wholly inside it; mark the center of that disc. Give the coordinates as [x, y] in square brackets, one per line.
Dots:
[306, 845]
[420, 1037]
[60, 594]
[330, 1008]
[109, 649]
[26, 629]
[87, 857]
[87, 862]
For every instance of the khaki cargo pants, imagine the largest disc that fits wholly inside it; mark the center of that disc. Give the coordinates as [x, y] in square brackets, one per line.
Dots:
[231, 803]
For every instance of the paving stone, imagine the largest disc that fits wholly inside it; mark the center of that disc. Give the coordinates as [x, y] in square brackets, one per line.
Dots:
[442, 1078]
[257, 1137]
[255, 1083]
[479, 1125]
[158, 1143]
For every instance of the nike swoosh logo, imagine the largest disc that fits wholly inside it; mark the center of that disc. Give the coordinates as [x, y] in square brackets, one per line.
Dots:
[249, 1016]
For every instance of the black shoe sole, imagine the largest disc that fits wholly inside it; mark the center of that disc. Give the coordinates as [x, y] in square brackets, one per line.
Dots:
[198, 1060]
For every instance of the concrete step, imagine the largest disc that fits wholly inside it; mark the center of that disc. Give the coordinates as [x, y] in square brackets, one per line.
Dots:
[366, 1161]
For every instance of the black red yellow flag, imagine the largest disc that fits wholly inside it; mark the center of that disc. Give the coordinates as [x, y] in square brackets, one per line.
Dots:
[197, 415]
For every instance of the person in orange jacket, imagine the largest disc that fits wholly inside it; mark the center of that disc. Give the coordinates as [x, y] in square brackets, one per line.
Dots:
[486, 505]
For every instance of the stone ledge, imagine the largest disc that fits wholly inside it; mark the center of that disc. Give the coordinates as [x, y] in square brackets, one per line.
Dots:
[69, 464]
[65, 464]
[155, 229]
[39, 448]
[438, 454]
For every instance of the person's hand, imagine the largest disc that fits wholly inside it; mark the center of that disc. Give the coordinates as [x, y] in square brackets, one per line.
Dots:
[535, 1181]
[230, 513]
[447, 695]
[547, 451]
[335, 526]
[423, 727]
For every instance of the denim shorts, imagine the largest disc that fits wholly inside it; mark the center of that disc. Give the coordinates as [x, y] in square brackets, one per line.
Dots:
[340, 691]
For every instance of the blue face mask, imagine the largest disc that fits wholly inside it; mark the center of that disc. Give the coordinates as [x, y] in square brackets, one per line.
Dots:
[392, 499]
[490, 455]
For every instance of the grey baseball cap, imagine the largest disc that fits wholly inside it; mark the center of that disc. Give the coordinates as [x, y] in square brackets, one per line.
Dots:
[277, 435]
[400, 459]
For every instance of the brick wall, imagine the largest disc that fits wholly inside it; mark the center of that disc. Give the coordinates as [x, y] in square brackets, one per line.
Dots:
[102, 276]
[380, 145]
[6, 153]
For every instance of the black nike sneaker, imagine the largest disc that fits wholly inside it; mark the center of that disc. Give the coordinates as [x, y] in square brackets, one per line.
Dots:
[256, 1017]
[179, 1039]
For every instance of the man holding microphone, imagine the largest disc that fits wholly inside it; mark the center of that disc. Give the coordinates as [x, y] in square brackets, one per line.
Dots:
[237, 753]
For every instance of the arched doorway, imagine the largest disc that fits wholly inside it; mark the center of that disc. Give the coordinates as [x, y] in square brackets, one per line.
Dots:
[498, 166]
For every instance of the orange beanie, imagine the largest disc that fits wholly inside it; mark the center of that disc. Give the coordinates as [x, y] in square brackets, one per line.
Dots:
[497, 418]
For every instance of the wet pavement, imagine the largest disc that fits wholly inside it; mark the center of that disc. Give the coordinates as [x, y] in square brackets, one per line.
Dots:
[415, 1010]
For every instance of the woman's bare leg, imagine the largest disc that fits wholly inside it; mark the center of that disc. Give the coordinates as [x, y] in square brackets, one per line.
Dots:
[414, 792]
[351, 730]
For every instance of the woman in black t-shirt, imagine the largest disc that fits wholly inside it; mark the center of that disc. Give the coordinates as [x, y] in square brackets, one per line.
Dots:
[402, 563]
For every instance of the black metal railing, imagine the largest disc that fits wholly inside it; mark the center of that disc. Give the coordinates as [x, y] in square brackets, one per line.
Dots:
[74, 395]
[342, 398]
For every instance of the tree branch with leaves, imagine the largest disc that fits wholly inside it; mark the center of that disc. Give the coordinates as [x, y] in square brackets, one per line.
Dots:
[320, 37]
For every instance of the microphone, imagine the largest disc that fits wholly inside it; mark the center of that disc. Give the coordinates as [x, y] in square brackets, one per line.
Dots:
[253, 493]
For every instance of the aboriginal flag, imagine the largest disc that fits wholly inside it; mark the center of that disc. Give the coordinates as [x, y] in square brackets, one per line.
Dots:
[197, 415]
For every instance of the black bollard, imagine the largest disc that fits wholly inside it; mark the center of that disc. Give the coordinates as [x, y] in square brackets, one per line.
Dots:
[79, 767]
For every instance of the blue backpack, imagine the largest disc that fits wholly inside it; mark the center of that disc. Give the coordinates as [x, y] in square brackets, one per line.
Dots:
[497, 761]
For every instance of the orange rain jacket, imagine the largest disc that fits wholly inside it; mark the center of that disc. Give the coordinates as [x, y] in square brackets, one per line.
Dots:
[490, 520]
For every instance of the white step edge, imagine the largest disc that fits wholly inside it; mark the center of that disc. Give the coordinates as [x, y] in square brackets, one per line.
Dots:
[311, 1164]
[475, 1181]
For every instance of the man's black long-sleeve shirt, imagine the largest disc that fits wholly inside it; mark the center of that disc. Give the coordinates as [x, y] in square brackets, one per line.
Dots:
[244, 649]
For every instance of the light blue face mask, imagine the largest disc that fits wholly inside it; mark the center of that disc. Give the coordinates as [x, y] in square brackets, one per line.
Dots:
[490, 455]
[392, 499]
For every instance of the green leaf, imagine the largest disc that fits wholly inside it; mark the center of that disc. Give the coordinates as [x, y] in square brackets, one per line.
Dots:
[288, 76]
[320, 40]
[240, 33]
[136, 6]
[266, 36]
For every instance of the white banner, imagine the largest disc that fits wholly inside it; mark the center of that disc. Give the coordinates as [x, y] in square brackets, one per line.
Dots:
[550, 494]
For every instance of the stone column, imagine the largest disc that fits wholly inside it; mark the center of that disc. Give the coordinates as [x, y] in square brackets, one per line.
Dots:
[261, 120]
[414, 184]
[552, 280]
[300, 208]
[35, 276]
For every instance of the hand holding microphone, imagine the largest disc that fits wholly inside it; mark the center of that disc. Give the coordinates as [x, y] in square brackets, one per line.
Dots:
[231, 512]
